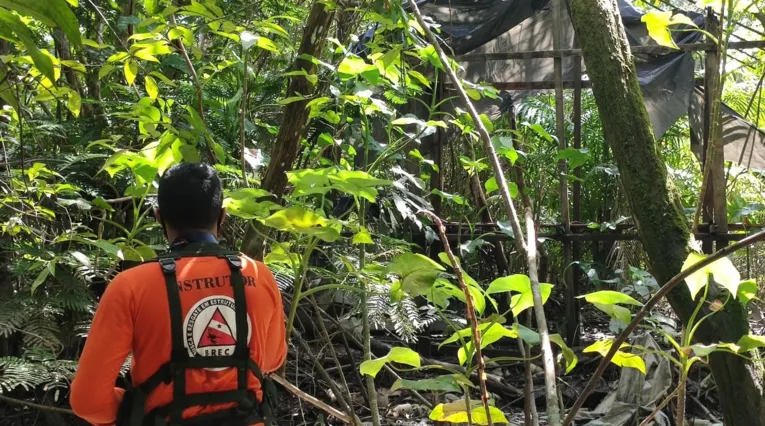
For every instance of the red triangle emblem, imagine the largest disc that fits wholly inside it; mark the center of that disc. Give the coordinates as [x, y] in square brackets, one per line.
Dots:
[217, 332]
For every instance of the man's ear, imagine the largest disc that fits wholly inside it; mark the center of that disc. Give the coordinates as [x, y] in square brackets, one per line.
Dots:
[156, 215]
[221, 219]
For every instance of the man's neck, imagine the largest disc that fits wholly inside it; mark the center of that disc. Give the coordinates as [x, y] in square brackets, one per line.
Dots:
[193, 237]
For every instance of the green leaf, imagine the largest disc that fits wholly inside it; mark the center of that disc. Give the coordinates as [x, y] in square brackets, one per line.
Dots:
[40, 279]
[723, 271]
[749, 342]
[519, 283]
[621, 358]
[445, 383]
[53, 13]
[576, 157]
[490, 333]
[131, 70]
[74, 65]
[418, 273]
[704, 350]
[528, 335]
[42, 61]
[151, 87]
[609, 297]
[491, 186]
[352, 66]
[568, 354]
[747, 290]
[299, 220]
[362, 237]
[398, 355]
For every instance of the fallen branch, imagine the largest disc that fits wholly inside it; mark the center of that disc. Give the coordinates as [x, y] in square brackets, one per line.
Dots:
[40, 407]
[311, 399]
[663, 291]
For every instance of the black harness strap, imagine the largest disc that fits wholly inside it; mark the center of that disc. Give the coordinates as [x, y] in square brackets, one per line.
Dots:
[241, 351]
[178, 354]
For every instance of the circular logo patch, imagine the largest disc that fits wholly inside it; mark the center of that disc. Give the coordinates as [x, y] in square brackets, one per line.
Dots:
[210, 328]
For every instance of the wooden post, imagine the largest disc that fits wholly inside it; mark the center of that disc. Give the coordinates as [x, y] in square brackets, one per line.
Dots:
[560, 120]
[711, 71]
[577, 213]
[718, 182]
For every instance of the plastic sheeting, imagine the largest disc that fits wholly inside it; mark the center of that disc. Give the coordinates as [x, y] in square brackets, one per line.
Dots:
[666, 80]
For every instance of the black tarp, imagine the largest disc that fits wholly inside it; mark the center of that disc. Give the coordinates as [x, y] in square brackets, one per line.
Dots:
[666, 80]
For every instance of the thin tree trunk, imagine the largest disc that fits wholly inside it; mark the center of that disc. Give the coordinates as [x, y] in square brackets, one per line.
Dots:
[661, 224]
[294, 120]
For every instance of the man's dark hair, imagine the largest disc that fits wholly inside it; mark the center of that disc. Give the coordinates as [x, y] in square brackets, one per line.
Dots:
[190, 196]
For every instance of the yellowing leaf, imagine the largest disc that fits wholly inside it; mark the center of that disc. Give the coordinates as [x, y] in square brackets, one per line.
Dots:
[362, 237]
[456, 412]
[658, 22]
[131, 70]
[621, 358]
[73, 103]
[146, 54]
[608, 297]
[723, 271]
[397, 354]
[151, 87]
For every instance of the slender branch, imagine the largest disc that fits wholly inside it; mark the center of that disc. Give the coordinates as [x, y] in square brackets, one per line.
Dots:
[669, 286]
[470, 314]
[40, 407]
[529, 249]
[309, 399]
[200, 95]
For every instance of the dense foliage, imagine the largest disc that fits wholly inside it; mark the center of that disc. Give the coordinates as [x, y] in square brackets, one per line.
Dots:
[99, 98]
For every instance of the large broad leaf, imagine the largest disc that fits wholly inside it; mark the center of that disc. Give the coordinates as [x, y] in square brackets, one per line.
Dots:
[575, 157]
[621, 358]
[658, 22]
[42, 61]
[608, 297]
[490, 333]
[300, 220]
[352, 66]
[521, 284]
[397, 355]
[456, 412]
[53, 13]
[723, 271]
[418, 273]
[749, 342]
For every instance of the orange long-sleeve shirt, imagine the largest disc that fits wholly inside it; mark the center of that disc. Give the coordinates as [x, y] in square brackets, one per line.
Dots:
[133, 316]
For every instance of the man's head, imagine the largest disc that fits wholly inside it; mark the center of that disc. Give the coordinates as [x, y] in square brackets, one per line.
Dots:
[190, 199]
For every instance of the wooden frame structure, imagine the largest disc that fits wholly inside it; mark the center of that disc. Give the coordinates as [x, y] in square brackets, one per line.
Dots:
[570, 231]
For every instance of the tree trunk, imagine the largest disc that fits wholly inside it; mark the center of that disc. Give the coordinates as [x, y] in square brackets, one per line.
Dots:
[294, 120]
[661, 224]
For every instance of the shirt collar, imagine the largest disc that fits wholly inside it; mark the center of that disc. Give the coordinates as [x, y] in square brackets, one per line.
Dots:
[193, 237]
